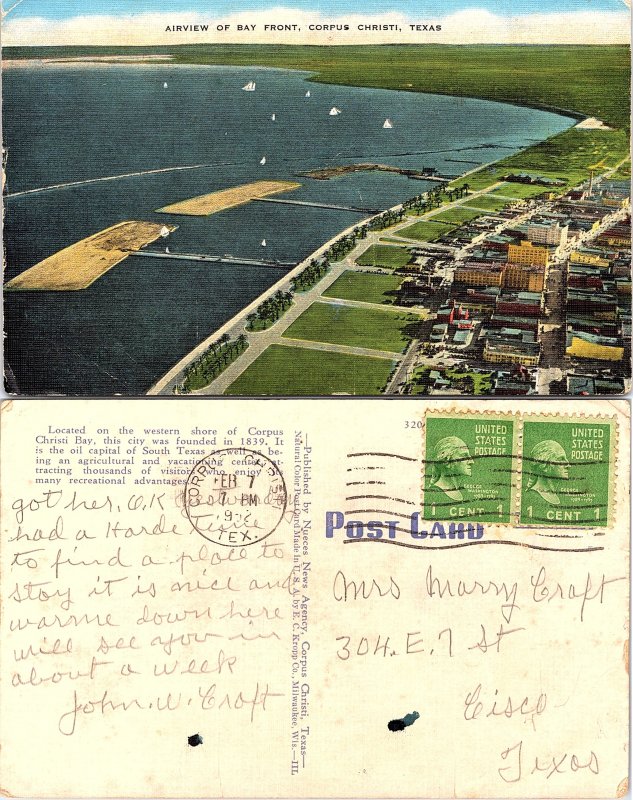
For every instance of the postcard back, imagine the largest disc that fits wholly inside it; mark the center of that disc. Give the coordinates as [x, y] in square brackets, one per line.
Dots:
[301, 599]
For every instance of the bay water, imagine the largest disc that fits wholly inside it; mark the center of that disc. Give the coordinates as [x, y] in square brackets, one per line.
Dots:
[75, 122]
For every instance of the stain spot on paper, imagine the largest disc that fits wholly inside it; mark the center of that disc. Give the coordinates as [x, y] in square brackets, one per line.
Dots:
[195, 740]
[625, 655]
[400, 724]
[623, 787]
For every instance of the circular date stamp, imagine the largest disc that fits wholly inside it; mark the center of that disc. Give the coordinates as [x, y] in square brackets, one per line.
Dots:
[235, 497]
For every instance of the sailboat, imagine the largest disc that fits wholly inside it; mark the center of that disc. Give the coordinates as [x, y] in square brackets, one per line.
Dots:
[167, 249]
[334, 111]
[165, 85]
[262, 160]
[273, 117]
[250, 86]
[307, 94]
[263, 242]
[164, 231]
[387, 123]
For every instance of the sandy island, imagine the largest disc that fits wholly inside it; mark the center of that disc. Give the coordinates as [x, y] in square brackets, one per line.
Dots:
[74, 60]
[593, 124]
[206, 204]
[79, 265]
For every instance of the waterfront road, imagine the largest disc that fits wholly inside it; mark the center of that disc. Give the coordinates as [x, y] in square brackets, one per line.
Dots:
[260, 340]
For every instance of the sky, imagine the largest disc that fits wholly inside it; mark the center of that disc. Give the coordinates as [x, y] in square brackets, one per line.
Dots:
[37, 22]
[63, 9]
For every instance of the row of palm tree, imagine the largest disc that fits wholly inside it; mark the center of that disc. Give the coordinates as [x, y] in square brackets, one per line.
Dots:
[224, 351]
[421, 203]
[269, 311]
[311, 275]
[212, 362]
[387, 219]
[341, 247]
[434, 198]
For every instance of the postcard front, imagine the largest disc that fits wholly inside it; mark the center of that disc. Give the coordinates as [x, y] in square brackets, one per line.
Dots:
[271, 600]
[315, 201]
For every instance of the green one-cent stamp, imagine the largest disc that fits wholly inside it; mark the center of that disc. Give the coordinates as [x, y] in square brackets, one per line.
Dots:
[469, 467]
[566, 472]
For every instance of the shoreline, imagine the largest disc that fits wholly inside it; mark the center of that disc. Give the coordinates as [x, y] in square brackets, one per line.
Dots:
[160, 384]
[312, 76]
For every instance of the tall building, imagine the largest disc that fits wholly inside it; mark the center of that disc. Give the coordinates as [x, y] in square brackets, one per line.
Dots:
[527, 277]
[527, 253]
[547, 233]
[475, 273]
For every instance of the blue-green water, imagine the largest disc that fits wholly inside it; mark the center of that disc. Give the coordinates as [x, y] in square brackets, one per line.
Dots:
[67, 123]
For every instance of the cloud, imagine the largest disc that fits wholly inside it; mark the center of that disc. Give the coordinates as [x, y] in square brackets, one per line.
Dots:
[471, 26]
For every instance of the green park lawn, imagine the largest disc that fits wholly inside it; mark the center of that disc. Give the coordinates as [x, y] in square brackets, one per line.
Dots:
[522, 190]
[488, 203]
[335, 323]
[366, 286]
[623, 173]
[286, 370]
[457, 215]
[426, 231]
[383, 255]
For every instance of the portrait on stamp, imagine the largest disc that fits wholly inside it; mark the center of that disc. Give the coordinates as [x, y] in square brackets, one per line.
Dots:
[452, 463]
[566, 472]
[468, 467]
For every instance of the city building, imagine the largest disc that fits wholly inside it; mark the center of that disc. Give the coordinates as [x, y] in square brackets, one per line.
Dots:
[590, 256]
[519, 303]
[506, 321]
[512, 346]
[589, 302]
[528, 277]
[552, 233]
[477, 300]
[475, 273]
[591, 385]
[596, 348]
[519, 381]
[618, 236]
[528, 253]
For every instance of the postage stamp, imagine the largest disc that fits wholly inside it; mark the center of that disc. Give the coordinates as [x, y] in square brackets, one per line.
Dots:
[235, 497]
[469, 467]
[567, 471]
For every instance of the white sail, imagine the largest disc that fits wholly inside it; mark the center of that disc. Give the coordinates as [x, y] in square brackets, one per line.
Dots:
[263, 242]
[273, 117]
[165, 85]
[307, 94]
[387, 124]
[334, 111]
[262, 160]
[250, 86]
[167, 249]
[164, 231]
